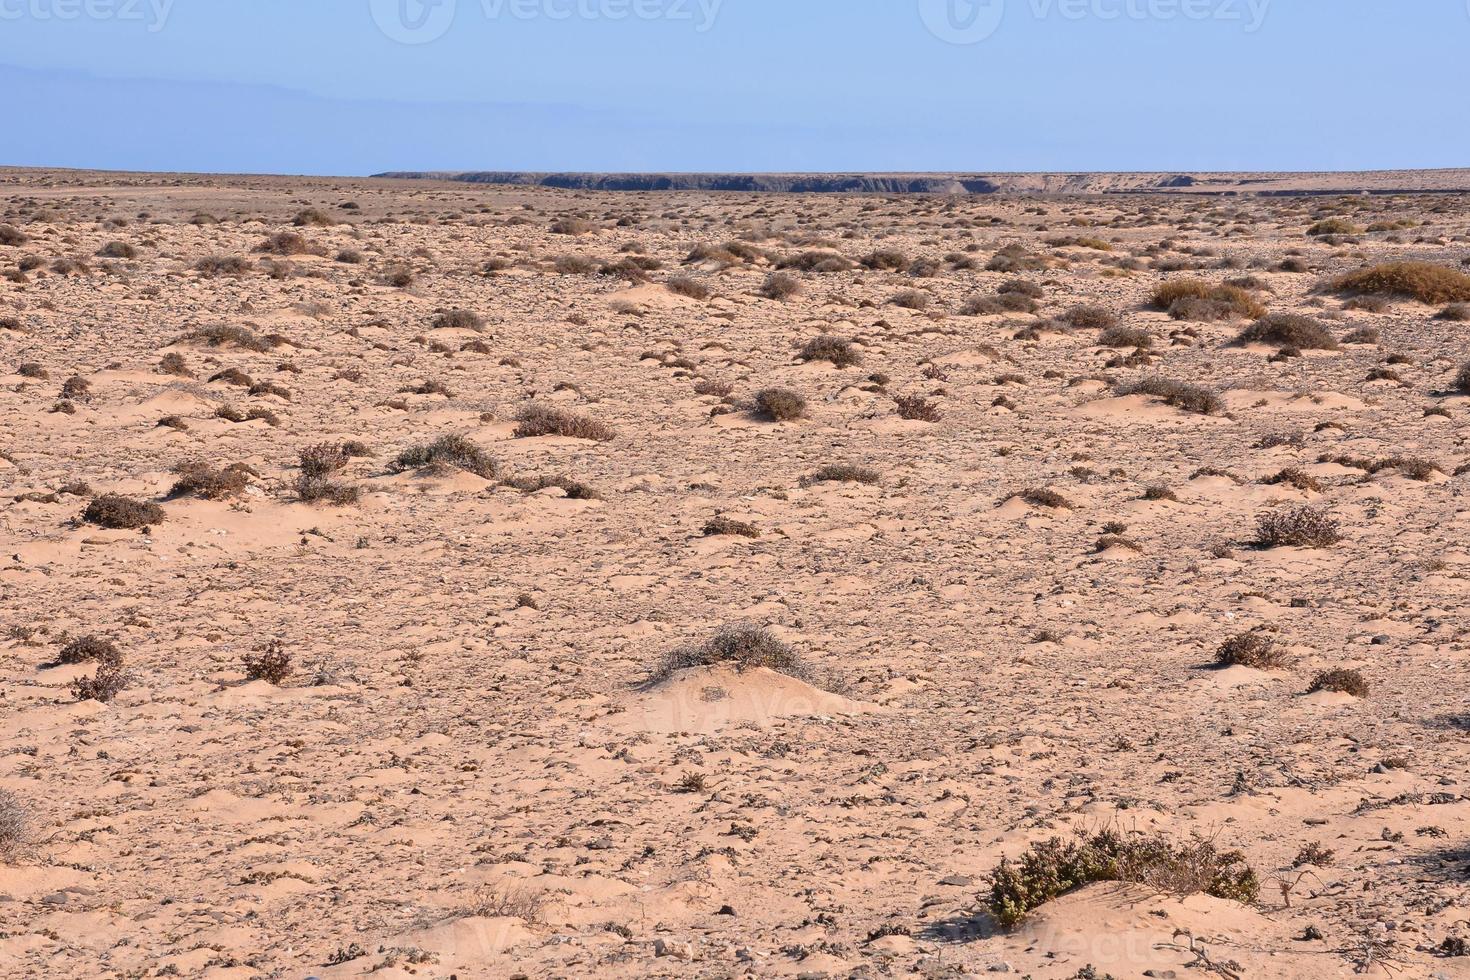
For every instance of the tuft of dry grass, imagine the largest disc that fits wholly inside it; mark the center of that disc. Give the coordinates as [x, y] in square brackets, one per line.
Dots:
[534, 420]
[780, 286]
[458, 320]
[1423, 281]
[689, 287]
[201, 480]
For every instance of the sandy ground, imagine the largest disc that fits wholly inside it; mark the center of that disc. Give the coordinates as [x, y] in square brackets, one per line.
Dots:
[466, 773]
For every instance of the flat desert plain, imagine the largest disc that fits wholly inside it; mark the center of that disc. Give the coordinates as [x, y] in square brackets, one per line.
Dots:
[425, 579]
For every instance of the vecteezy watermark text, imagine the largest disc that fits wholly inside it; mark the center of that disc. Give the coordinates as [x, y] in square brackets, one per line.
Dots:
[972, 21]
[151, 13]
[422, 21]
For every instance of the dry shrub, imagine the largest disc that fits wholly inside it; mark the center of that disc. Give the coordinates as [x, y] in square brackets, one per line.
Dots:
[1293, 477]
[1190, 398]
[228, 335]
[1361, 335]
[844, 473]
[1423, 281]
[1089, 317]
[284, 243]
[1254, 649]
[451, 450]
[1300, 527]
[1050, 869]
[1042, 497]
[117, 250]
[838, 350]
[116, 511]
[1288, 330]
[1008, 302]
[30, 369]
[689, 287]
[317, 465]
[12, 236]
[1121, 336]
[106, 684]
[204, 481]
[313, 218]
[885, 260]
[720, 526]
[917, 408]
[1015, 258]
[271, 663]
[1462, 379]
[458, 320]
[90, 649]
[222, 265]
[174, 363]
[573, 489]
[743, 647]
[780, 404]
[535, 420]
[15, 820]
[1334, 226]
[911, 299]
[572, 226]
[1455, 313]
[780, 286]
[1340, 681]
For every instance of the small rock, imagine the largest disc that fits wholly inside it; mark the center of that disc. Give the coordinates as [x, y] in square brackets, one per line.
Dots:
[55, 898]
[957, 881]
[1160, 974]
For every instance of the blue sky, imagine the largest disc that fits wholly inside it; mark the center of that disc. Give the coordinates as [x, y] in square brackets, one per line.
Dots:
[331, 87]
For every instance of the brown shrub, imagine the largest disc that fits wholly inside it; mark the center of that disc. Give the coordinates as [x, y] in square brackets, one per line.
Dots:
[911, 299]
[1423, 281]
[844, 473]
[458, 320]
[1088, 317]
[917, 408]
[450, 450]
[838, 350]
[1121, 336]
[1301, 527]
[536, 420]
[116, 511]
[720, 526]
[228, 335]
[103, 686]
[204, 481]
[743, 647]
[15, 814]
[117, 250]
[1190, 398]
[1255, 649]
[90, 649]
[780, 286]
[689, 287]
[1288, 330]
[780, 404]
[1340, 681]
[271, 663]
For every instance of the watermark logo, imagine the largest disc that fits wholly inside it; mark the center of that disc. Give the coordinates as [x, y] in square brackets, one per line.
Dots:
[152, 14]
[973, 21]
[422, 21]
[413, 21]
[964, 21]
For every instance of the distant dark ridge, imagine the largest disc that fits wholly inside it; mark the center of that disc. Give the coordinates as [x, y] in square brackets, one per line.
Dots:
[761, 183]
[1219, 184]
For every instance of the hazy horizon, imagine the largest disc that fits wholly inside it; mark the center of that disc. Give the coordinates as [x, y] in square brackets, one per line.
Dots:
[356, 87]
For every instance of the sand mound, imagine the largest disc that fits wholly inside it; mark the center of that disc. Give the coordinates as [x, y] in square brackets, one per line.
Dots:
[707, 699]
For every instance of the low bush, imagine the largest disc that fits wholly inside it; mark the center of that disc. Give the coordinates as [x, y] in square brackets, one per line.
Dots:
[113, 510]
[743, 647]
